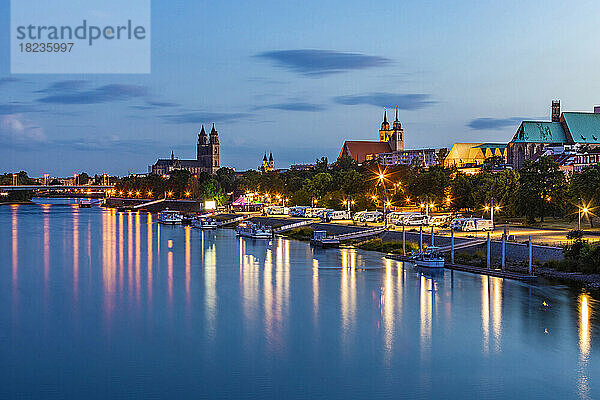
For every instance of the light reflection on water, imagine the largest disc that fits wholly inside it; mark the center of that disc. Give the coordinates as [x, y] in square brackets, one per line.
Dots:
[94, 294]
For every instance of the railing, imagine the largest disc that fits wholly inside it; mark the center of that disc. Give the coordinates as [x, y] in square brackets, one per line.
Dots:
[233, 220]
[359, 234]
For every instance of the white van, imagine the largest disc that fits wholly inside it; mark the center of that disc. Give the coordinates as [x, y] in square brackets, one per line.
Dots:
[395, 217]
[476, 224]
[456, 223]
[358, 217]
[312, 212]
[439, 220]
[372, 216]
[298, 211]
[415, 220]
[276, 210]
[337, 215]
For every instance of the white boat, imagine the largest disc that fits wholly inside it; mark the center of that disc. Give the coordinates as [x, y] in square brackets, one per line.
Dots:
[171, 217]
[254, 231]
[430, 258]
[85, 203]
[204, 223]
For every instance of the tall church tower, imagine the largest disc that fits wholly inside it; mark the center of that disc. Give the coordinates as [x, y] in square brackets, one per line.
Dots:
[214, 150]
[384, 131]
[397, 137]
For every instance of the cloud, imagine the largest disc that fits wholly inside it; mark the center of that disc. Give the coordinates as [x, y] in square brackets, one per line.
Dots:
[412, 101]
[292, 106]
[16, 130]
[314, 63]
[199, 117]
[103, 94]
[481, 124]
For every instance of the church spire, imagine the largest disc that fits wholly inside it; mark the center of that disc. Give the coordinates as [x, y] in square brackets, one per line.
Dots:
[172, 155]
[396, 114]
[202, 136]
[385, 116]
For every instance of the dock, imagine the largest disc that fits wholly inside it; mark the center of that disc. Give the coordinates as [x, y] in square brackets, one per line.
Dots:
[498, 273]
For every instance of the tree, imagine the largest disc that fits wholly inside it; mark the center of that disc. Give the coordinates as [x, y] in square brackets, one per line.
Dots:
[586, 185]
[542, 189]
[319, 185]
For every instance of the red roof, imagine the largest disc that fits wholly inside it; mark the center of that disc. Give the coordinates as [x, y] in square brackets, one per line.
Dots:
[360, 149]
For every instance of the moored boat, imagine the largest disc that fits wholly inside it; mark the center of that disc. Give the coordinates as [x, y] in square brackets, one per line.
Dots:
[85, 203]
[254, 231]
[429, 258]
[170, 217]
[204, 223]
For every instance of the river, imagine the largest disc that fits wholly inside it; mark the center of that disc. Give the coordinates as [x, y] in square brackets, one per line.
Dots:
[97, 304]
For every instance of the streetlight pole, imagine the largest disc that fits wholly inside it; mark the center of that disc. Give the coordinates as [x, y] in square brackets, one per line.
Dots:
[492, 213]
[427, 206]
[579, 214]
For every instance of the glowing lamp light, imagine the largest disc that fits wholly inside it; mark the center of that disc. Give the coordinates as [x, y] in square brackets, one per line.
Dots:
[187, 194]
[210, 205]
[585, 210]
[149, 193]
[487, 208]
[422, 205]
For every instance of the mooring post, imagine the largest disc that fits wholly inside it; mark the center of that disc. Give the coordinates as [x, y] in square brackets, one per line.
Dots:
[432, 238]
[530, 256]
[403, 241]
[421, 239]
[503, 252]
[452, 246]
[487, 253]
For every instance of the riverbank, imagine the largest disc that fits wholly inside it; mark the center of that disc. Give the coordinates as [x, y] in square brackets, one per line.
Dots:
[390, 243]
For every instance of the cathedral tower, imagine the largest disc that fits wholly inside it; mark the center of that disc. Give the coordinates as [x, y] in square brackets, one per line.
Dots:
[384, 131]
[396, 139]
[214, 150]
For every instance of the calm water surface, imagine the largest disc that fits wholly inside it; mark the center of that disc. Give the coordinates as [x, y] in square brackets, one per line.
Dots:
[94, 304]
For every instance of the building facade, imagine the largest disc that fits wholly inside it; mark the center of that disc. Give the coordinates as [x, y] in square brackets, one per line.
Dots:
[566, 129]
[207, 157]
[416, 158]
[389, 149]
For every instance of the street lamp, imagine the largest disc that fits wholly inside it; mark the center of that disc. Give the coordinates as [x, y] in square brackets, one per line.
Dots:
[580, 210]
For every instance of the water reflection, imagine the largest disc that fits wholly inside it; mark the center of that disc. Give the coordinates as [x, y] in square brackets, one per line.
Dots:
[584, 346]
[75, 253]
[292, 302]
[15, 251]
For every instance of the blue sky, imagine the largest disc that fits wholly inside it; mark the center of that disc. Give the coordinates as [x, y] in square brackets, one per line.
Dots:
[298, 78]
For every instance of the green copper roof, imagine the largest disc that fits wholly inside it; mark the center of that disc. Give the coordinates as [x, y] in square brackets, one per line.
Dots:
[540, 132]
[583, 127]
[492, 146]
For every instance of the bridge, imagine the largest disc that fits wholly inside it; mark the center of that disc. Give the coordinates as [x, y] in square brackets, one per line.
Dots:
[54, 187]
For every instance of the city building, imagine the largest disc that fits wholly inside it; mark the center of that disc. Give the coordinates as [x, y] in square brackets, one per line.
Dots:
[470, 157]
[420, 157]
[586, 158]
[267, 164]
[389, 149]
[566, 129]
[302, 167]
[207, 157]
